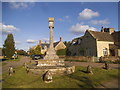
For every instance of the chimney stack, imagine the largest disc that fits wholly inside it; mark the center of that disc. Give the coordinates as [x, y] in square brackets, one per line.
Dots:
[109, 30]
[102, 29]
[60, 38]
[40, 42]
[45, 42]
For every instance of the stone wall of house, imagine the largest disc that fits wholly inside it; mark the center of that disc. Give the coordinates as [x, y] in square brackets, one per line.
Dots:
[75, 50]
[102, 45]
[82, 58]
[89, 44]
[60, 45]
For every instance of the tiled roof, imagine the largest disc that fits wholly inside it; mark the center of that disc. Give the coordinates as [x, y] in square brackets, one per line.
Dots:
[101, 36]
[47, 44]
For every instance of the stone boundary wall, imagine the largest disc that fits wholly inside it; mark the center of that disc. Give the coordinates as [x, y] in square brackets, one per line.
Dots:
[92, 59]
[83, 58]
[110, 59]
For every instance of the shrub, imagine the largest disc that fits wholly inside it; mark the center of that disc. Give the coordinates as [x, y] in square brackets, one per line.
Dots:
[61, 52]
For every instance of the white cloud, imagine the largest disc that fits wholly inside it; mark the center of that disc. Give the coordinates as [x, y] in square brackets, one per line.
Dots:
[17, 5]
[66, 17]
[87, 14]
[5, 29]
[45, 40]
[80, 29]
[100, 22]
[31, 41]
[17, 42]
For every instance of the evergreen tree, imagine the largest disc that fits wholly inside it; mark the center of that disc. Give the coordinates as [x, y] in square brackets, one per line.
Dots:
[9, 46]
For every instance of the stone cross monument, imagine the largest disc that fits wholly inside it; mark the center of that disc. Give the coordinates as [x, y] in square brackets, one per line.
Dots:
[51, 53]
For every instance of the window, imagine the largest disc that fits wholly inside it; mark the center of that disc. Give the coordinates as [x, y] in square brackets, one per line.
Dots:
[105, 51]
[79, 41]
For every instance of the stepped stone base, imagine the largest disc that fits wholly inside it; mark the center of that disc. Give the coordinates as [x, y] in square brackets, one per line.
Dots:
[54, 62]
[60, 70]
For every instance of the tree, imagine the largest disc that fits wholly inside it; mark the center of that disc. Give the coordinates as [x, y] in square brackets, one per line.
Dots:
[35, 51]
[21, 52]
[9, 46]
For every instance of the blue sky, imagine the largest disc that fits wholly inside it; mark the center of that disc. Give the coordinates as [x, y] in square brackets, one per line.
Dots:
[29, 21]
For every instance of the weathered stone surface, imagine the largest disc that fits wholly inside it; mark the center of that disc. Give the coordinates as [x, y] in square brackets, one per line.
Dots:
[11, 70]
[89, 69]
[55, 70]
[47, 77]
[51, 53]
[106, 66]
[52, 62]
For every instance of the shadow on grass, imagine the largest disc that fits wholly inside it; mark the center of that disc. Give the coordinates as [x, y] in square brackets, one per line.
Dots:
[85, 81]
[83, 71]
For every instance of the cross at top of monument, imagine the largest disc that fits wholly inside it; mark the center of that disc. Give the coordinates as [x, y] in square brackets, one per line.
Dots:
[51, 19]
[51, 22]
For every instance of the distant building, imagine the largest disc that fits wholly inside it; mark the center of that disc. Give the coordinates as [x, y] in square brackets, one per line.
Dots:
[57, 45]
[94, 43]
[1, 53]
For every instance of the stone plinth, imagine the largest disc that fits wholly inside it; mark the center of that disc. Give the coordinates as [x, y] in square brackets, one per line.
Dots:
[52, 62]
[59, 70]
[51, 54]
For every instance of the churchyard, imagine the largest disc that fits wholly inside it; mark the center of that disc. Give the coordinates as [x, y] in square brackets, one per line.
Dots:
[79, 79]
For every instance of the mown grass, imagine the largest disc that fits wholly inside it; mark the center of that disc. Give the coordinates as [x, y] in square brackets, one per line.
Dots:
[79, 79]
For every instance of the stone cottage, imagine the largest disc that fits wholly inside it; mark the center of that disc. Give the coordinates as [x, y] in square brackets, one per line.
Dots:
[57, 45]
[95, 43]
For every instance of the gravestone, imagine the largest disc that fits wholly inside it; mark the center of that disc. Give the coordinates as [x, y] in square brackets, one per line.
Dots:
[89, 69]
[106, 66]
[47, 77]
[11, 70]
[27, 70]
[25, 65]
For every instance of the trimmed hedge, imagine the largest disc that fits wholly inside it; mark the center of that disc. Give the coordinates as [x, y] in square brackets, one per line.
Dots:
[61, 52]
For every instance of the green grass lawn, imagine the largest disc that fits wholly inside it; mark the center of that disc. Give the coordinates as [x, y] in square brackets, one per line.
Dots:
[79, 79]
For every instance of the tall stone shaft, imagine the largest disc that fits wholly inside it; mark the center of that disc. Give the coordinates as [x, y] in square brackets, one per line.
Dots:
[51, 53]
[51, 37]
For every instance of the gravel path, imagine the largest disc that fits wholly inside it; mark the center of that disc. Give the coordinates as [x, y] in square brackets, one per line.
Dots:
[98, 65]
[15, 64]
